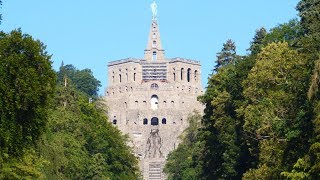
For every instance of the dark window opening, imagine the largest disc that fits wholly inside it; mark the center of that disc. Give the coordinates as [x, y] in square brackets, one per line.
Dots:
[134, 76]
[154, 121]
[154, 56]
[114, 121]
[195, 75]
[188, 74]
[174, 76]
[182, 72]
[145, 121]
[164, 121]
[119, 77]
[154, 86]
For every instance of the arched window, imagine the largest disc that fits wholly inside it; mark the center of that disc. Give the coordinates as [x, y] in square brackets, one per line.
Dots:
[154, 44]
[154, 56]
[114, 121]
[154, 36]
[154, 86]
[172, 103]
[154, 102]
[164, 121]
[188, 74]
[174, 76]
[113, 79]
[145, 121]
[119, 77]
[154, 121]
[134, 76]
[182, 72]
[196, 76]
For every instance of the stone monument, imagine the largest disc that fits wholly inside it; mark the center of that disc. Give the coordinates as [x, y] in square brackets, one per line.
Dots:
[150, 99]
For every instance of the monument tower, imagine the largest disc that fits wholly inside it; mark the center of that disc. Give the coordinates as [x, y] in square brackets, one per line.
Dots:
[150, 99]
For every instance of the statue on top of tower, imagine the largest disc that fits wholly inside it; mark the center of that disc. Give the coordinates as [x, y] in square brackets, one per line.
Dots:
[154, 8]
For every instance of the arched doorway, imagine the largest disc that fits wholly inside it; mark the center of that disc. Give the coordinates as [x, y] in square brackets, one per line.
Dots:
[164, 121]
[154, 102]
[145, 121]
[154, 121]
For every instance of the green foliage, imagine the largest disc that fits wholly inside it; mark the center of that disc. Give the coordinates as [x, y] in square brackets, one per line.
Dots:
[0, 14]
[81, 144]
[73, 140]
[227, 54]
[27, 166]
[182, 163]
[256, 44]
[273, 90]
[309, 11]
[26, 87]
[258, 121]
[82, 80]
[290, 32]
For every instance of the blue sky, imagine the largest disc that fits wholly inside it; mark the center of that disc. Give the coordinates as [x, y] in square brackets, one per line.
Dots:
[89, 34]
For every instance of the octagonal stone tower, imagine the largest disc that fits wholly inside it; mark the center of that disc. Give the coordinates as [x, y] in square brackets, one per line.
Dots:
[150, 99]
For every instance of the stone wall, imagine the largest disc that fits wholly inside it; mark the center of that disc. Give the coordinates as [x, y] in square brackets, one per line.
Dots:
[153, 113]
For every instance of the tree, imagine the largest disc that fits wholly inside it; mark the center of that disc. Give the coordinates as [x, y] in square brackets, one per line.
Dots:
[309, 11]
[290, 32]
[82, 80]
[256, 44]
[0, 14]
[86, 82]
[80, 143]
[274, 90]
[182, 163]
[26, 88]
[227, 54]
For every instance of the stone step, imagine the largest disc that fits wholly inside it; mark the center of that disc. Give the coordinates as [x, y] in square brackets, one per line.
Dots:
[155, 166]
[155, 171]
[158, 168]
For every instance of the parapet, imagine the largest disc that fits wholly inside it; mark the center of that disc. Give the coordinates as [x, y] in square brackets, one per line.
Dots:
[184, 60]
[127, 60]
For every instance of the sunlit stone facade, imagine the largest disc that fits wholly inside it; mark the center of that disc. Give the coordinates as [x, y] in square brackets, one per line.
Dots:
[150, 99]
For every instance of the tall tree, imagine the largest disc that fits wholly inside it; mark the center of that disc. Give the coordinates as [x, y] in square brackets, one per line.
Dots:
[0, 14]
[26, 87]
[183, 163]
[256, 43]
[291, 32]
[309, 11]
[82, 80]
[228, 54]
[274, 116]
[80, 143]
[86, 82]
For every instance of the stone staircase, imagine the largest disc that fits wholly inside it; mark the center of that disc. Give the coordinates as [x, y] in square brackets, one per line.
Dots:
[155, 171]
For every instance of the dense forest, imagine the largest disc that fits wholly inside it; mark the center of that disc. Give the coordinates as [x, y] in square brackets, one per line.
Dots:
[262, 110]
[52, 124]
